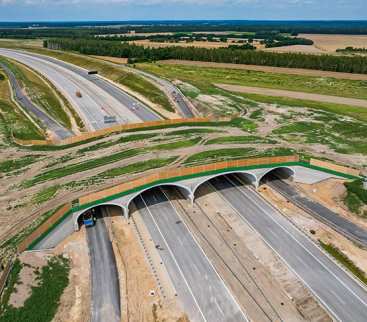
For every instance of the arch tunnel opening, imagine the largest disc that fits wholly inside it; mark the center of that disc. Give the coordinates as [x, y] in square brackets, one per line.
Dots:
[281, 173]
[91, 216]
[223, 181]
[156, 195]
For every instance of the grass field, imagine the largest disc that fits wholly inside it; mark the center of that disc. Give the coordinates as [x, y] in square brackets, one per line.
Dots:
[80, 167]
[203, 79]
[40, 92]
[13, 121]
[42, 304]
[16, 164]
[239, 140]
[356, 197]
[345, 261]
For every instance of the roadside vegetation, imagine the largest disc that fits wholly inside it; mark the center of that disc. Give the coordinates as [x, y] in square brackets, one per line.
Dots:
[115, 73]
[356, 197]
[345, 261]
[42, 304]
[239, 140]
[17, 164]
[233, 154]
[39, 91]
[14, 123]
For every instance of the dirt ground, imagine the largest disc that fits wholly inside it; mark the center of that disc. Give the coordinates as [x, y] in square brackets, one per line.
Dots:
[27, 277]
[307, 223]
[330, 193]
[200, 44]
[268, 69]
[141, 297]
[116, 60]
[270, 273]
[330, 43]
[296, 49]
[75, 301]
[295, 95]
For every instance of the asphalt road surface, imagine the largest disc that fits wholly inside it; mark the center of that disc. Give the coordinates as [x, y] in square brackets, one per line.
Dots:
[105, 295]
[340, 294]
[201, 291]
[99, 97]
[342, 225]
[23, 100]
[172, 90]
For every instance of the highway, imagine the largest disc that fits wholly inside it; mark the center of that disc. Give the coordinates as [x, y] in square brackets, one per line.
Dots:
[35, 111]
[341, 295]
[342, 225]
[105, 290]
[176, 95]
[200, 289]
[99, 97]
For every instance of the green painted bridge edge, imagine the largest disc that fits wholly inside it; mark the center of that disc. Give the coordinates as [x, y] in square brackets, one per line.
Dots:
[174, 179]
[51, 228]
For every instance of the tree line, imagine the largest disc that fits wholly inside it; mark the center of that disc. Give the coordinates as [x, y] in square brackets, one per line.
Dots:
[136, 53]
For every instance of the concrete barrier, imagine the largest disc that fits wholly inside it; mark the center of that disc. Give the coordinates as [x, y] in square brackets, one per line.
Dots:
[44, 227]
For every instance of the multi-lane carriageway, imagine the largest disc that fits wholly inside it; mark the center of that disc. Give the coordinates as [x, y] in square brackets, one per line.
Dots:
[203, 293]
[99, 98]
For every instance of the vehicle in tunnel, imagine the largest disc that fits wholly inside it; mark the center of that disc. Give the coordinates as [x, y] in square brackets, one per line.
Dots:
[89, 218]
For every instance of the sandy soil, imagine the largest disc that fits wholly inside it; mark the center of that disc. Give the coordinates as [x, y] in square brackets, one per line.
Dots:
[306, 223]
[271, 273]
[268, 69]
[201, 44]
[330, 193]
[75, 301]
[330, 43]
[116, 60]
[295, 95]
[27, 277]
[296, 49]
[142, 300]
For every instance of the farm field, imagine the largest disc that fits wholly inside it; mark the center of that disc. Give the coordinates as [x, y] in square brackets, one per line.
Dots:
[330, 43]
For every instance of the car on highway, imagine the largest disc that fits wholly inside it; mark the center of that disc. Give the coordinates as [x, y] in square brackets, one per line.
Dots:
[88, 218]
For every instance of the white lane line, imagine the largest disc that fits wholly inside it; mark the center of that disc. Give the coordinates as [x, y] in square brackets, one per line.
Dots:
[293, 237]
[276, 252]
[174, 259]
[210, 263]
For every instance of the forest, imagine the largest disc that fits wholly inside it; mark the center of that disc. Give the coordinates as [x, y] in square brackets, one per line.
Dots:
[136, 53]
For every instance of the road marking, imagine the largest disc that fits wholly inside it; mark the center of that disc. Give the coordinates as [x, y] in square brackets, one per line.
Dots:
[275, 251]
[299, 242]
[174, 259]
[197, 243]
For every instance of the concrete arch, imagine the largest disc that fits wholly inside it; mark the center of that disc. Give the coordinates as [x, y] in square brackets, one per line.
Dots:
[251, 178]
[77, 215]
[186, 192]
[289, 172]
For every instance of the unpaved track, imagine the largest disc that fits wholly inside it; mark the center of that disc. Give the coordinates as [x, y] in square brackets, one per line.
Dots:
[292, 94]
[268, 69]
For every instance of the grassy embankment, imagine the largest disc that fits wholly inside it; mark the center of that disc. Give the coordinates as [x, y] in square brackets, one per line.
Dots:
[345, 261]
[42, 304]
[39, 91]
[233, 154]
[203, 78]
[356, 197]
[13, 122]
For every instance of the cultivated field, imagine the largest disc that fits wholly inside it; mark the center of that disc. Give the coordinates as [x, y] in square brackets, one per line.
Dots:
[330, 43]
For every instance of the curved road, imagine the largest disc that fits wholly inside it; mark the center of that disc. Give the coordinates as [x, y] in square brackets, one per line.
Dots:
[99, 98]
[23, 100]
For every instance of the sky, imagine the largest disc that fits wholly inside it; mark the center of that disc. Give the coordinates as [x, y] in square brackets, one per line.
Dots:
[72, 10]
